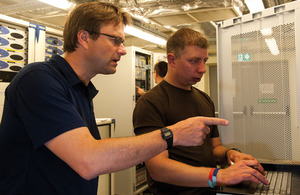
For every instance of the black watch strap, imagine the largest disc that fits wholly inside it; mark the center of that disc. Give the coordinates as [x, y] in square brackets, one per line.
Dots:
[167, 135]
[236, 149]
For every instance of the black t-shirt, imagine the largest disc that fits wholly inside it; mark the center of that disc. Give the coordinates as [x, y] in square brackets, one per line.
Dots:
[166, 105]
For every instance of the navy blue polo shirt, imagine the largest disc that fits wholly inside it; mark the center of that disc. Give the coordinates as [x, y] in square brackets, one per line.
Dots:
[44, 100]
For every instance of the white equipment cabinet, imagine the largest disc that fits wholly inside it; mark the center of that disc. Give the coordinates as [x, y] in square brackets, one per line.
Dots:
[116, 99]
[106, 129]
[259, 72]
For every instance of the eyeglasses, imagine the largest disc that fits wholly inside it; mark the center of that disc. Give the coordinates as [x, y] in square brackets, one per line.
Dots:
[116, 40]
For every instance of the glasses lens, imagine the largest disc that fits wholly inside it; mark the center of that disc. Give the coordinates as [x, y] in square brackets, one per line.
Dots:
[118, 41]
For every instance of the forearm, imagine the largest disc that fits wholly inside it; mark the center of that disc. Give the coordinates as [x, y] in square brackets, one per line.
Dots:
[177, 173]
[116, 154]
[91, 158]
[219, 153]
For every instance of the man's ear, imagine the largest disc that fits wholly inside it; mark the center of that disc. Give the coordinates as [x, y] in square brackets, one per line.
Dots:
[171, 59]
[154, 73]
[82, 36]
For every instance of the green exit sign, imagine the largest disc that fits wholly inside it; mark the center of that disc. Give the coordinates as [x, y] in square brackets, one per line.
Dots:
[243, 57]
[267, 101]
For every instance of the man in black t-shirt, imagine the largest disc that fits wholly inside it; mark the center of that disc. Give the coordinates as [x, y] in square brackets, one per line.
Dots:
[188, 170]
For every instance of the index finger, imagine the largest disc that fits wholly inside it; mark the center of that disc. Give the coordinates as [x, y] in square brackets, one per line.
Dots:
[215, 121]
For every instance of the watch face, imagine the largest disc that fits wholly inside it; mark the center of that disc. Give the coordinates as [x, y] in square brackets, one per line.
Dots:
[168, 133]
[168, 136]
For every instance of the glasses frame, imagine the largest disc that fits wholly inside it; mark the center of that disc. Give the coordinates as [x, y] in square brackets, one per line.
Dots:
[117, 40]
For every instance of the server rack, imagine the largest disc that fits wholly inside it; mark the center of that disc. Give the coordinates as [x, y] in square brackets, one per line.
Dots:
[116, 99]
[259, 82]
[13, 50]
[21, 43]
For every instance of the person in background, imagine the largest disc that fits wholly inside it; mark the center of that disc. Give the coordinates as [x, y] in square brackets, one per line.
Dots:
[49, 140]
[191, 170]
[160, 71]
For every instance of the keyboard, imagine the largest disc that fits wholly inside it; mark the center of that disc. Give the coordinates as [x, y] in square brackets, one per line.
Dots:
[284, 180]
[280, 183]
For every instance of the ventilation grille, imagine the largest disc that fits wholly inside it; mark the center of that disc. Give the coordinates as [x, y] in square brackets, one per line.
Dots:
[265, 93]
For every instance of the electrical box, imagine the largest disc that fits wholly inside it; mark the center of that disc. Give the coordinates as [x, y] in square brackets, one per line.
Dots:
[54, 46]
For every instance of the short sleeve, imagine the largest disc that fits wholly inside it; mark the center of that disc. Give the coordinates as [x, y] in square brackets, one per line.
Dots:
[147, 116]
[41, 100]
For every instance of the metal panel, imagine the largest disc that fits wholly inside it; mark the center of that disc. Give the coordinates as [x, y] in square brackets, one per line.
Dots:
[258, 88]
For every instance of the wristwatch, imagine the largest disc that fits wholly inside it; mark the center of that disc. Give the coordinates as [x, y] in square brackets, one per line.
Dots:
[168, 136]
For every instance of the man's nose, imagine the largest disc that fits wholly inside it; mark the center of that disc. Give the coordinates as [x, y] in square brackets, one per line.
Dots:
[201, 68]
[122, 50]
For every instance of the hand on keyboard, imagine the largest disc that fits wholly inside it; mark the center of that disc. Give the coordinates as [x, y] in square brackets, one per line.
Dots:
[241, 171]
[234, 156]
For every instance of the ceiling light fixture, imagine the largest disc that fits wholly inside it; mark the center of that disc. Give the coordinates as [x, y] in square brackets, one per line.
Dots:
[266, 31]
[62, 4]
[255, 5]
[144, 35]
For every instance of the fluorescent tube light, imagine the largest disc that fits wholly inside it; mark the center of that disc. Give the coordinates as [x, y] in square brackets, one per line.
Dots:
[272, 46]
[62, 4]
[255, 5]
[214, 24]
[238, 11]
[144, 35]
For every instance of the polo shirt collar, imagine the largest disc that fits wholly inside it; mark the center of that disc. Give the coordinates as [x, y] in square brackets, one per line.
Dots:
[67, 71]
[65, 68]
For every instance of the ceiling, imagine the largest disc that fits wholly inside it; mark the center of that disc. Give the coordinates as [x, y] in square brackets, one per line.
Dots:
[161, 17]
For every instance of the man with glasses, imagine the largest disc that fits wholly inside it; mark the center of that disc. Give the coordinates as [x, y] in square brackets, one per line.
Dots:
[49, 140]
